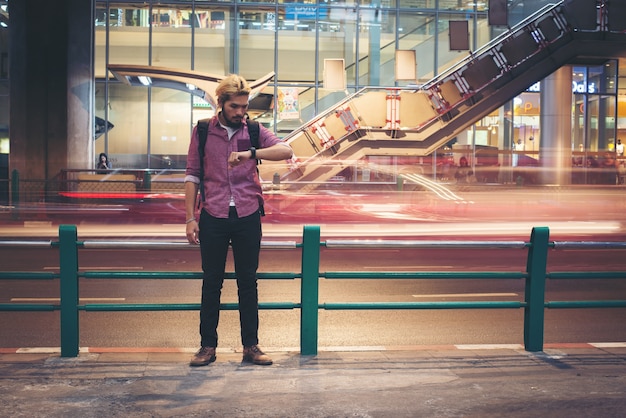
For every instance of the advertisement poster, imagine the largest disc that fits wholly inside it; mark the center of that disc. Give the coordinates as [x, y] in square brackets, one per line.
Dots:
[288, 106]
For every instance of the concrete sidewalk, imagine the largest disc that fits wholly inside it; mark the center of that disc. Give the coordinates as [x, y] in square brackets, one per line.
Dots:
[564, 381]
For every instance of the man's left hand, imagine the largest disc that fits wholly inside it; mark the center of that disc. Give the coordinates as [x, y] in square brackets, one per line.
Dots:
[237, 158]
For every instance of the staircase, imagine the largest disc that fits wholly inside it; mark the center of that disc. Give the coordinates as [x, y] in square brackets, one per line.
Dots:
[418, 121]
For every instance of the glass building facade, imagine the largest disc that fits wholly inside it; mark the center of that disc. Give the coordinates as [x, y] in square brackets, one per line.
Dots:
[294, 40]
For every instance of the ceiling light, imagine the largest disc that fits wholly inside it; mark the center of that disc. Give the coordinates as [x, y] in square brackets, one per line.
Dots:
[146, 81]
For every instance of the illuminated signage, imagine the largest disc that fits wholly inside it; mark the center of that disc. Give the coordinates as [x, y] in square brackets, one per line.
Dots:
[303, 11]
[577, 87]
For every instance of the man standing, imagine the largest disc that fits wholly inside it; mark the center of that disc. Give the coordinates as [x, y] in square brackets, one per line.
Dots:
[230, 214]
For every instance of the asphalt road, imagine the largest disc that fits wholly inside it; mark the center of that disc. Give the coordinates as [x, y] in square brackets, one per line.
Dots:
[280, 328]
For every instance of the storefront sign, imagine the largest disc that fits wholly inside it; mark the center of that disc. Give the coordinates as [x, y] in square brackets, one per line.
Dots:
[288, 106]
[577, 87]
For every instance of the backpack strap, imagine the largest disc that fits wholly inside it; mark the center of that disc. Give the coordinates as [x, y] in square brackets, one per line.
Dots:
[253, 131]
[202, 132]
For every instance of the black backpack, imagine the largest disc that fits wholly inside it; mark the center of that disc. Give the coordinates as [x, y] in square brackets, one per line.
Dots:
[203, 132]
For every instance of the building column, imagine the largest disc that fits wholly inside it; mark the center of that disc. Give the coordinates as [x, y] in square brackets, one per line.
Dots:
[555, 149]
[373, 51]
[51, 82]
[80, 84]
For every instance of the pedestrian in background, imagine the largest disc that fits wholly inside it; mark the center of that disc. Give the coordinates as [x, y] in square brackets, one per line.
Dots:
[103, 162]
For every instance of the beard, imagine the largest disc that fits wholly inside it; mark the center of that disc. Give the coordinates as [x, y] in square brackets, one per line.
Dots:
[232, 122]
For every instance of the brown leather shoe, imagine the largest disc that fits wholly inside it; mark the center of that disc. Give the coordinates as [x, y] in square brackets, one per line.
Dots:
[254, 355]
[203, 357]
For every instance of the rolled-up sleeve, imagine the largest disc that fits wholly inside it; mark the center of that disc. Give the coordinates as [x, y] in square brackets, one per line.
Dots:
[192, 172]
[192, 179]
[267, 138]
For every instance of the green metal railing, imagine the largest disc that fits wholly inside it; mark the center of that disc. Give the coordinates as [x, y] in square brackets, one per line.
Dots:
[535, 275]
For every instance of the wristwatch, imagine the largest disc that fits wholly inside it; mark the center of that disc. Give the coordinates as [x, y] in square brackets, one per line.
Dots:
[253, 152]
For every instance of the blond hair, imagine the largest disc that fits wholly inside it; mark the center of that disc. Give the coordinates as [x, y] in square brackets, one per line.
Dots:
[232, 85]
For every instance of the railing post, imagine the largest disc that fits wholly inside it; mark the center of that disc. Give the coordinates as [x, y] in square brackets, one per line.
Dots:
[68, 255]
[309, 290]
[15, 193]
[400, 183]
[536, 289]
[147, 181]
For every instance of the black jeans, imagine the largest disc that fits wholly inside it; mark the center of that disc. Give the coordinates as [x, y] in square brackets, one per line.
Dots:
[244, 235]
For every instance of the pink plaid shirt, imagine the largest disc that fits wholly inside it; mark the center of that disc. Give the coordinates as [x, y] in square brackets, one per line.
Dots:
[222, 181]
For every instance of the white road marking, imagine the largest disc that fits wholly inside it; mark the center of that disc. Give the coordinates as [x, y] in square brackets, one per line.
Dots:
[608, 345]
[408, 268]
[113, 268]
[24, 300]
[465, 295]
[489, 346]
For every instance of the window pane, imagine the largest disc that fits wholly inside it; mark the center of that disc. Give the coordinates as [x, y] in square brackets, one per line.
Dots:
[169, 134]
[381, 28]
[129, 36]
[171, 37]
[418, 4]
[211, 40]
[416, 32]
[602, 78]
[128, 112]
[338, 40]
[256, 42]
[296, 46]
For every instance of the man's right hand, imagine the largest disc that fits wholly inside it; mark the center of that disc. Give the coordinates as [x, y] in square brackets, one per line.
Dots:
[193, 232]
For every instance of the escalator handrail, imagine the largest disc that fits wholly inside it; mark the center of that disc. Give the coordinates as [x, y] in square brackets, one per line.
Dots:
[439, 78]
[528, 24]
[337, 105]
[492, 44]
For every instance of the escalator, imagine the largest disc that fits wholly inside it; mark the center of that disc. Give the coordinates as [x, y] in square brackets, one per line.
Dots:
[418, 121]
